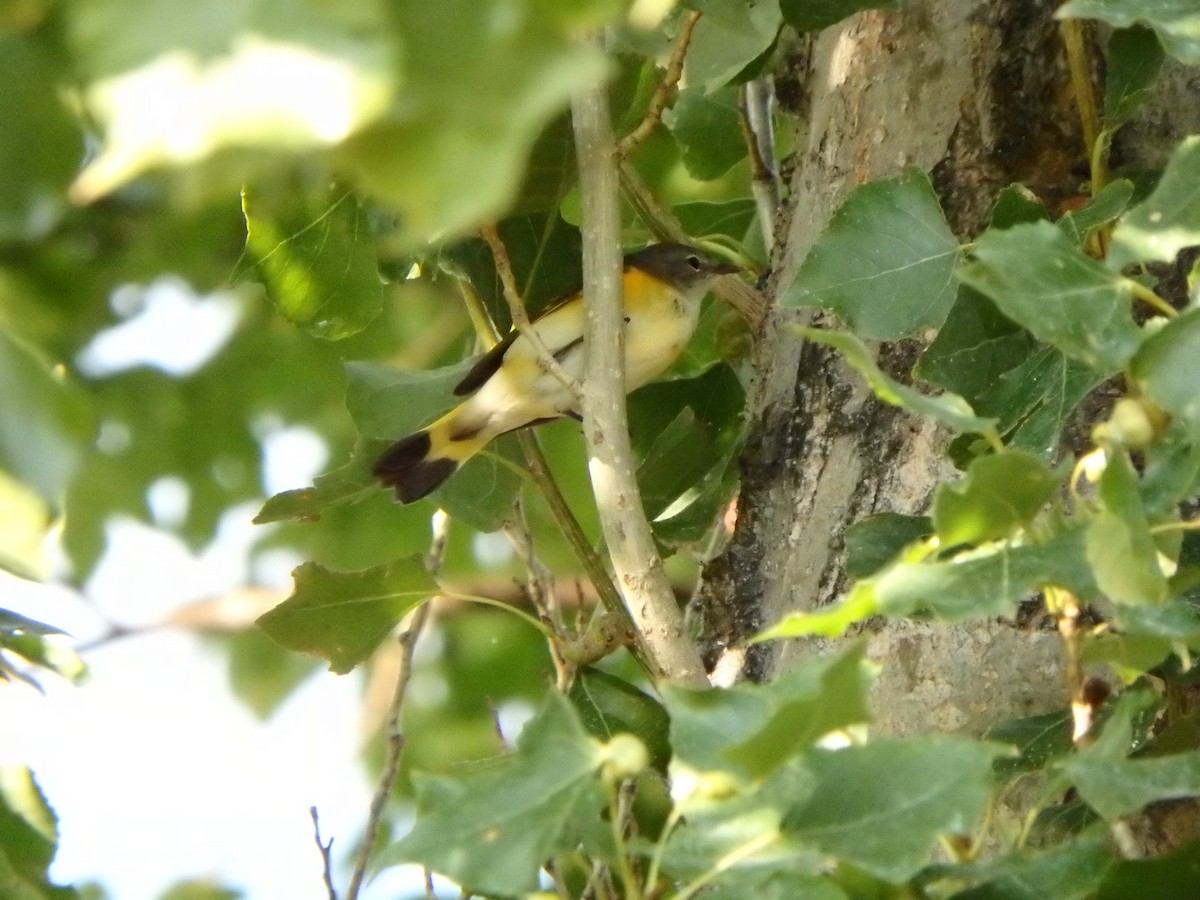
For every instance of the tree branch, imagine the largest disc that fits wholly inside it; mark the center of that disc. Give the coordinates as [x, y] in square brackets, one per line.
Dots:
[755, 101]
[662, 93]
[325, 848]
[638, 568]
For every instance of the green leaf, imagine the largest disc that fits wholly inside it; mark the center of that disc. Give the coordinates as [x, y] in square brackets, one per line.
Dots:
[315, 253]
[1000, 494]
[483, 492]
[974, 347]
[708, 129]
[391, 403]
[1169, 219]
[677, 461]
[1174, 876]
[1039, 279]
[906, 793]
[173, 83]
[814, 15]
[343, 485]
[28, 838]
[343, 616]
[1120, 548]
[1135, 56]
[873, 542]
[451, 152]
[262, 673]
[1015, 205]
[1039, 739]
[1070, 872]
[27, 638]
[1174, 20]
[1035, 400]
[44, 421]
[885, 263]
[1162, 368]
[1129, 655]
[986, 582]
[1079, 224]
[837, 697]
[949, 410]
[732, 729]
[729, 37]
[607, 706]
[491, 827]
[1120, 787]
[41, 144]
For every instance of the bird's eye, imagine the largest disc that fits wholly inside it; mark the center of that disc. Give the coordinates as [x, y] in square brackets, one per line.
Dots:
[694, 261]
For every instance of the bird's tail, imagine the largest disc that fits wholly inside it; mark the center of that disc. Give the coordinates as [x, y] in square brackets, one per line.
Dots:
[416, 465]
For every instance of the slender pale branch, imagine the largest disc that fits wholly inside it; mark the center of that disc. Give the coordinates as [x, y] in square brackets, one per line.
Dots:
[639, 570]
[662, 94]
[755, 103]
[326, 854]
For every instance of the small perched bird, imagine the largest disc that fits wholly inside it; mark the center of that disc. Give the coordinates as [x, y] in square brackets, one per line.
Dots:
[510, 387]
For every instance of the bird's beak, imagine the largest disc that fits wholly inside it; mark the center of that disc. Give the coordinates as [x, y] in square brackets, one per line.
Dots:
[724, 269]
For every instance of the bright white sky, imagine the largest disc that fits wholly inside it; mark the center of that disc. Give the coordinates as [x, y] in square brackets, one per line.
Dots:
[155, 770]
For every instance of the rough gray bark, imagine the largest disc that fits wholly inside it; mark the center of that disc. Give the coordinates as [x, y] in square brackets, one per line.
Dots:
[975, 92]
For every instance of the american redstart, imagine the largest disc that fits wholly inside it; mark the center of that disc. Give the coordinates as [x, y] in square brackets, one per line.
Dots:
[510, 388]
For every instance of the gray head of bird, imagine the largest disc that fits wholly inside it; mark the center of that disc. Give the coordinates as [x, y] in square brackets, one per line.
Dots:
[689, 269]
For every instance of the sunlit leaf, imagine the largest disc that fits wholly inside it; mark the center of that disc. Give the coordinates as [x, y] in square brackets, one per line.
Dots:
[1163, 368]
[1001, 493]
[885, 262]
[28, 838]
[343, 616]
[1120, 548]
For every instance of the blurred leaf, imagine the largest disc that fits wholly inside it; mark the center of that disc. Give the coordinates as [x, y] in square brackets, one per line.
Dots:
[451, 152]
[1129, 655]
[947, 409]
[1134, 57]
[729, 37]
[1174, 876]
[1174, 21]
[343, 616]
[492, 826]
[1079, 224]
[813, 15]
[1120, 787]
[1171, 621]
[1071, 872]
[44, 421]
[342, 485]
[25, 521]
[709, 217]
[262, 673]
[735, 728]
[1169, 219]
[484, 491]
[1039, 739]
[41, 143]
[1171, 466]
[200, 889]
[907, 793]
[1039, 279]
[780, 882]
[173, 83]
[28, 838]
[608, 706]
[985, 582]
[1120, 548]
[316, 255]
[1015, 205]
[873, 542]
[708, 128]
[836, 697]
[1000, 494]
[885, 263]
[1163, 368]
[1034, 400]
[974, 347]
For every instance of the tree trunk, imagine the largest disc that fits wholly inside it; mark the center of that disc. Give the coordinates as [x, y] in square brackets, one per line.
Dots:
[978, 95]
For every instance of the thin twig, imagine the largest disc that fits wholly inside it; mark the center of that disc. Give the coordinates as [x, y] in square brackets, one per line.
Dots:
[394, 749]
[662, 94]
[1079, 65]
[326, 853]
[639, 570]
[539, 586]
[520, 317]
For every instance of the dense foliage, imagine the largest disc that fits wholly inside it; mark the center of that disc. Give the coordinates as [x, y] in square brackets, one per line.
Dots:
[328, 168]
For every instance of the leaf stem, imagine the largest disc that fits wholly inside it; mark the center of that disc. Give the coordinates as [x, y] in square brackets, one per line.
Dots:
[1079, 65]
[499, 604]
[728, 861]
[1151, 299]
